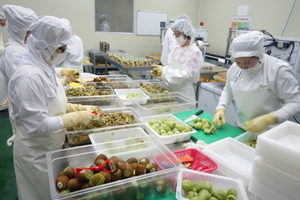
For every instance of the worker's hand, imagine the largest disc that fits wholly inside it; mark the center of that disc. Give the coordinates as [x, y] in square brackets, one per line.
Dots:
[78, 117]
[219, 118]
[157, 70]
[72, 107]
[71, 74]
[63, 82]
[260, 123]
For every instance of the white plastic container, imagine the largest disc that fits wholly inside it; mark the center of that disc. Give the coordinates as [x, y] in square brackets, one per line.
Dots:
[170, 138]
[217, 181]
[123, 95]
[135, 133]
[281, 145]
[275, 178]
[233, 158]
[154, 82]
[245, 137]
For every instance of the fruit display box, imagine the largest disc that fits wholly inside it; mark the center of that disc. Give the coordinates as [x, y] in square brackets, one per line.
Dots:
[165, 104]
[153, 86]
[80, 92]
[134, 135]
[233, 158]
[217, 181]
[84, 156]
[80, 137]
[127, 96]
[167, 139]
[285, 139]
[104, 103]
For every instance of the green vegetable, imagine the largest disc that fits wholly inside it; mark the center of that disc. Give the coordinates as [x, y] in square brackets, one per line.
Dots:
[205, 125]
[204, 194]
[219, 194]
[230, 197]
[232, 191]
[187, 185]
[191, 194]
[207, 186]
[198, 185]
[198, 125]
[207, 131]
[213, 198]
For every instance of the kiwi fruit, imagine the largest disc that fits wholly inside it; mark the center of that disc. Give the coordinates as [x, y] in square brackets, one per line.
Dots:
[114, 157]
[121, 164]
[133, 165]
[85, 175]
[99, 162]
[66, 191]
[117, 175]
[144, 161]
[151, 167]
[160, 186]
[140, 169]
[101, 156]
[127, 171]
[131, 160]
[74, 184]
[115, 164]
[69, 172]
[60, 174]
[85, 185]
[97, 179]
[106, 175]
[61, 182]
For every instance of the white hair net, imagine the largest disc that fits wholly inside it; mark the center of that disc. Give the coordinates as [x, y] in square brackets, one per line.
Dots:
[103, 18]
[184, 16]
[19, 20]
[2, 16]
[248, 45]
[47, 34]
[183, 26]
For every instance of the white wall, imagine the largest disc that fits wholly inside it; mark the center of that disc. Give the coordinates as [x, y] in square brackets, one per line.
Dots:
[81, 15]
[270, 15]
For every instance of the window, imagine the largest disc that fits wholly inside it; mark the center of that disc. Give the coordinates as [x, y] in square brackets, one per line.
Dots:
[114, 16]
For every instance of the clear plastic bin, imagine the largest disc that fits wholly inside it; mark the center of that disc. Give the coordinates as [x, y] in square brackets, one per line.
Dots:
[104, 103]
[114, 84]
[99, 88]
[122, 94]
[170, 138]
[165, 104]
[110, 77]
[217, 181]
[154, 82]
[81, 137]
[84, 156]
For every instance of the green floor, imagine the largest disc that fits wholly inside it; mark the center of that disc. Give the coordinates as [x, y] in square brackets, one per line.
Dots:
[8, 188]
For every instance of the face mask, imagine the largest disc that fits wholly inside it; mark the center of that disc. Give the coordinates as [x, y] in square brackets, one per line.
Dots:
[180, 40]
[253, 70]
[58, 58]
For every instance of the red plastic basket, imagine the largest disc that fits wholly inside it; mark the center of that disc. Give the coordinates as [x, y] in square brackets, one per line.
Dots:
[201, 161]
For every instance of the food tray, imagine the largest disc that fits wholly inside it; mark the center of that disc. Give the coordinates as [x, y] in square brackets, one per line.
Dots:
[217, 181]
[275, 178]
[81, 137]
[134, 133]
[114, 84]
[233, 158]
[201, 161]
[122, 95]
[245, 137]
[104, 103]
[153, 82]
[99, 88]
[171, 138]
[285, 138]
[165, 104]
[110, 77]
[84, 156]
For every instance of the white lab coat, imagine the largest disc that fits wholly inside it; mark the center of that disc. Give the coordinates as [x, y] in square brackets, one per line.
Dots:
[74, 56]
[272, 88]
[184, 69]
[104, 26]
[32, 143]
[168, 44]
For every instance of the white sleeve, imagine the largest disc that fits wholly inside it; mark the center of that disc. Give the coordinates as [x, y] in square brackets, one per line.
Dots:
[75, 51]
[226, 95]
[29, 98]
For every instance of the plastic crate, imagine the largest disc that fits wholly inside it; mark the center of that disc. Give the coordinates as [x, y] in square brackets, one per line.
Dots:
[217, 181]
[201, 162]
[84, 156]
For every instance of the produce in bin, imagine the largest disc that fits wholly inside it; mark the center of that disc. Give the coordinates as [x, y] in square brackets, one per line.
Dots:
[203, 124]
[203, 190]
[166, 127]
[86, 91]
[134, 95]
[151, 88]
[252, 141]
[73, 77]
[106, 170]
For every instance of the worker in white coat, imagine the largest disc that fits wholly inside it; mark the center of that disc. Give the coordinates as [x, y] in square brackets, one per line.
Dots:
[185, 61]
[169, 41]
[104, 26]
[74, 51]
[40, 112]
[3, 83]
[264, 88]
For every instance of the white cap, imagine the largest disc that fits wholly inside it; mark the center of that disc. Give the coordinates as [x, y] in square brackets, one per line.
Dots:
[184, 16]
[248, 45]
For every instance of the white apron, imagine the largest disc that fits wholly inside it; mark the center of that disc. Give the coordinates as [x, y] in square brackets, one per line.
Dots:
[30, 152]
[186, 88]
[255, 103]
